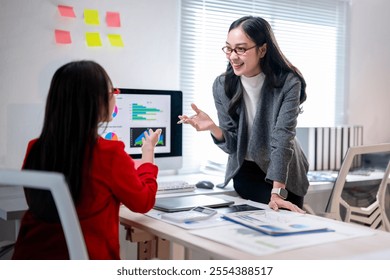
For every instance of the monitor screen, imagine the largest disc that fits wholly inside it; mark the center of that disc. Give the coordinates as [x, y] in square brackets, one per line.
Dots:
[136, 111]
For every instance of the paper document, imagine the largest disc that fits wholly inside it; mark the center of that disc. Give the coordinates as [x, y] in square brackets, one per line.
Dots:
[260, 244]
[275, 223]
[214, 221]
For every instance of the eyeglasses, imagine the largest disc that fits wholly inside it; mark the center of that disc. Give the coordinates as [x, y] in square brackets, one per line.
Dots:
[238, 50]
[115, 91]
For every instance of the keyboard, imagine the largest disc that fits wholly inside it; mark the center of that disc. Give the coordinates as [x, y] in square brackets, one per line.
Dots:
[174, 187]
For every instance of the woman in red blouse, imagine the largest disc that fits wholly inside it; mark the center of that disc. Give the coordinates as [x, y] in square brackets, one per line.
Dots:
[100, 174]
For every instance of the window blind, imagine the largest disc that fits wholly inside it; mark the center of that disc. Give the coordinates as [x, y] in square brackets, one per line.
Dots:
[312, 34]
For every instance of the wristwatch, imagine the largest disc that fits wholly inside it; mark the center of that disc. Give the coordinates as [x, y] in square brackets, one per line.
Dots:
[280, 192]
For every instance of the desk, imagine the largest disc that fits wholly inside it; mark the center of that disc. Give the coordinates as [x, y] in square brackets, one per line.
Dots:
[366, 247]
[13, 204]
[317, 195]
[12, 207]
[148, 246]
[192, 179]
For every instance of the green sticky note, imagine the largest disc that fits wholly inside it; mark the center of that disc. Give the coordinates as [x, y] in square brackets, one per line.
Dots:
[115, 40]
[93, 39]
[91, 17]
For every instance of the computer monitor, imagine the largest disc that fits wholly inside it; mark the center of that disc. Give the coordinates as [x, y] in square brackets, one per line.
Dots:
[136, 111]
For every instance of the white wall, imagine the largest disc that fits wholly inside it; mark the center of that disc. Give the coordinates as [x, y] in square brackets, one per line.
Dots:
[369, 69]
[29, 57]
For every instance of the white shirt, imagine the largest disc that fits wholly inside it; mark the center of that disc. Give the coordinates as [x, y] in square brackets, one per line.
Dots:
[252, 90]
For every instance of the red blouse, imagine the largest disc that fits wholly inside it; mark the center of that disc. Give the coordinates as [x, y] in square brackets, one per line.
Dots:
[114, 180]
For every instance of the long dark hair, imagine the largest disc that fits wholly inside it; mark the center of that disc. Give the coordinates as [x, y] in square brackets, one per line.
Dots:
[274, 64]
[77, 101]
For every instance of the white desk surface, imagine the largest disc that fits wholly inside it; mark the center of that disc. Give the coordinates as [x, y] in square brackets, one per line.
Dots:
[366, 247]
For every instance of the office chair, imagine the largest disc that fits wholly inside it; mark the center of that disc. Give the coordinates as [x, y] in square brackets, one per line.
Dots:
[373, 215]
[54, 182]
[382, 195]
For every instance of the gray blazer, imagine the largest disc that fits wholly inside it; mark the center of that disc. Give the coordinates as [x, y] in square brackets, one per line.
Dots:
[272, 145]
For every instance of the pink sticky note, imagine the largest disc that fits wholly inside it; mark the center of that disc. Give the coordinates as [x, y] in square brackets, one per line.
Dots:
[62, 37]
[66, 11]
[113, 19]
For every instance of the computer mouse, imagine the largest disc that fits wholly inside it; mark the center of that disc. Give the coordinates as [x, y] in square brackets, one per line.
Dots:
[204, 185]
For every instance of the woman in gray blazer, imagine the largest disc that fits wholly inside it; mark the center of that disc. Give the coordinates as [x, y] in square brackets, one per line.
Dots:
[258, 101]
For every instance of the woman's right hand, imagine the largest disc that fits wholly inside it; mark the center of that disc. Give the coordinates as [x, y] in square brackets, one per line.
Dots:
[200, 121]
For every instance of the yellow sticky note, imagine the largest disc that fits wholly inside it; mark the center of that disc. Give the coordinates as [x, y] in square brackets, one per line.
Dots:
[91, 17]
[115, 40]
[93, 39]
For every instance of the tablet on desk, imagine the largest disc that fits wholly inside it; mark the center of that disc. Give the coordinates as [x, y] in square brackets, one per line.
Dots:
[183, 203]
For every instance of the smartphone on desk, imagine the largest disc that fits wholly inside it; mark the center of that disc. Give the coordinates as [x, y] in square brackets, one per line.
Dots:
[195, 214]
[238, 208]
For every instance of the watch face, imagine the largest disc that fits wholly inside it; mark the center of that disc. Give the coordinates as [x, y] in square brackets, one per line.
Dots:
[283, 193]
[280, 192]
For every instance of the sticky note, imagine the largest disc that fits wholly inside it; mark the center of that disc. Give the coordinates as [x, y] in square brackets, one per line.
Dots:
[93, 39]
[91, 17]
[62, 37]
[66, 11]
[115, 40]
[113, 19]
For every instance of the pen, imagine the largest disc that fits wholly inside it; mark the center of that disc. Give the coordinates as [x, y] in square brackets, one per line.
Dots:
[184, 120]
